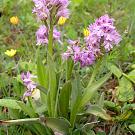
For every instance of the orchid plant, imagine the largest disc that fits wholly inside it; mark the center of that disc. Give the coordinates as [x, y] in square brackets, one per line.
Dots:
[61, 96]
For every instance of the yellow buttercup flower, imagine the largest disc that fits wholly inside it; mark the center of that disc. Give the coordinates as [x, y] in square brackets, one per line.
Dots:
[10, 53]
[62, 20]
[86, 32]
[14, 20]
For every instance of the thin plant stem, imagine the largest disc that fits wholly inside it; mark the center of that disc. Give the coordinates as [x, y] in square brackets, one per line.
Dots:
[20, 121]
[96, 70]
[50, 44]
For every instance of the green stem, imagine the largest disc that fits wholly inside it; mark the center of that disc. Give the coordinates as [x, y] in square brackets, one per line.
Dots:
[20, 121]
[69, 68]
[96, 70]
[130, 79]
[50, 44]
[49, 60]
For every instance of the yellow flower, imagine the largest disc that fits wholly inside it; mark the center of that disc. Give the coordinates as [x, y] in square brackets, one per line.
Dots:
[14, 20]
[10, 53]
[62, 20]
[86, 32]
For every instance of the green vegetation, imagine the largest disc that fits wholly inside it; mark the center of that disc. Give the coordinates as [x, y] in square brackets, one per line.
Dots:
[93, 100]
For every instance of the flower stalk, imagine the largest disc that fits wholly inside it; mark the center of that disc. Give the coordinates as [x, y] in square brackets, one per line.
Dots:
[50, 44]
[19, 121]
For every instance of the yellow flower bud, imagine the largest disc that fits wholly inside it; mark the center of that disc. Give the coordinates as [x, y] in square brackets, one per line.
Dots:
[10, 53]
[62, 20]
[86, 32]
[14, 20]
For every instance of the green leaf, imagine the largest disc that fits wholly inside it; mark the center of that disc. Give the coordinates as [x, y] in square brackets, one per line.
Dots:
[109, 104]
[42, 73]
[59, 125]
[76, 132]
[69, 68]
[49, 104]
[28, 66]
[101, 133]
[4, 80]
[101, 100]
[125, 91]
[131, 75]
[114, 69]
[129, 106]
[90, 91]
[98, 111]
[132, 127]
[10, 103]
[52, 89]
[41, 109]
[42, 89]
[76, 96]
[27, 109]
[14, 113]
[52, 86]
[91, 132]
[64, 99]
[112, 106]
[124, 116]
